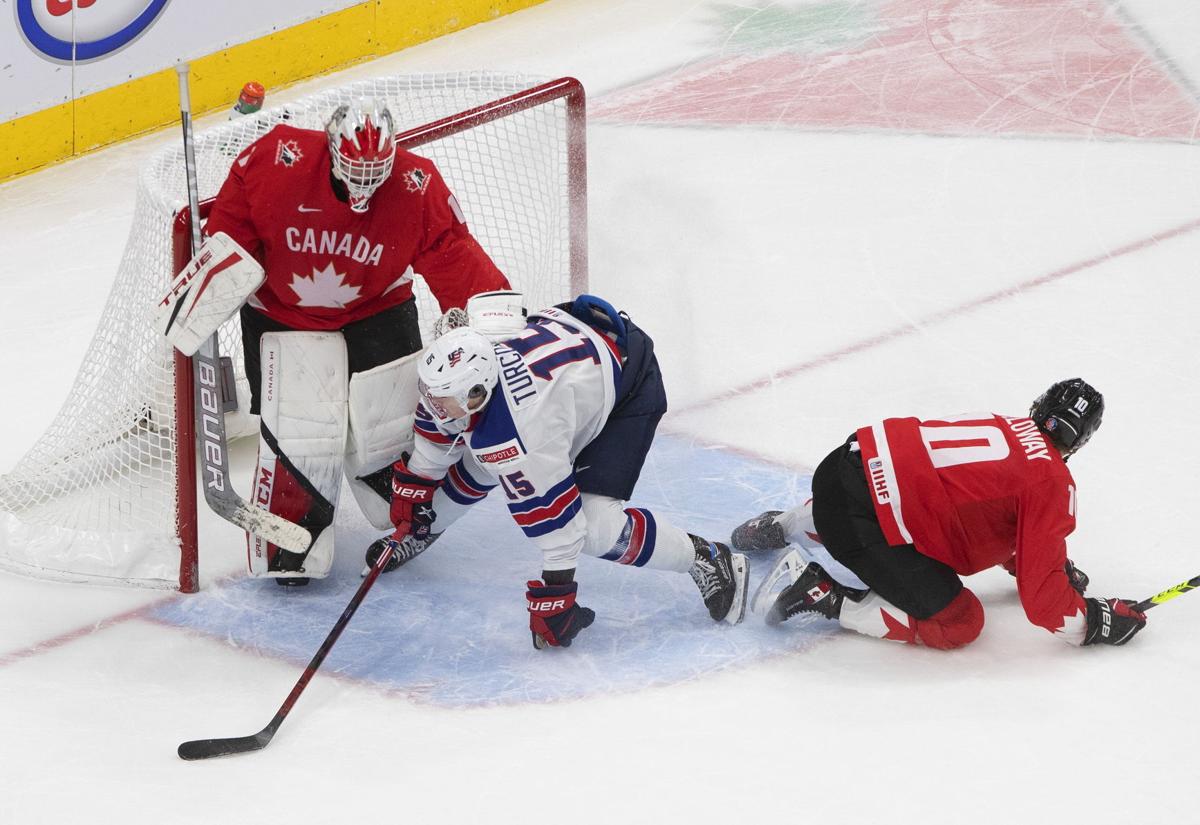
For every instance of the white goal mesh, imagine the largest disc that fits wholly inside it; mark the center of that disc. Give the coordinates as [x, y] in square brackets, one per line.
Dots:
[98, 498]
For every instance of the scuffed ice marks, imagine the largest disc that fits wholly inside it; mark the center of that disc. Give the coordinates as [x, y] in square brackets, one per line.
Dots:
[450, 628]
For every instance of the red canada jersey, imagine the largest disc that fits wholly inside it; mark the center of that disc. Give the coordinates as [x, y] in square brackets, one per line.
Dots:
[971, 491]
[327, 265]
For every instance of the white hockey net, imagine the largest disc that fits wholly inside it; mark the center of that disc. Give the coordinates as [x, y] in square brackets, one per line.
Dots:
[96, 498]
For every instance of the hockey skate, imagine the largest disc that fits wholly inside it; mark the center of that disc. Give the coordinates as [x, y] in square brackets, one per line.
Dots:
[760, 533]
[721, 577]
[810, 590]
[288, 562]
[406, 550]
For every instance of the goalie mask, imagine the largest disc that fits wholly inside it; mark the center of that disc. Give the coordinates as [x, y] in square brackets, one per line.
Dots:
[1068, 413]
[457, 374]
[362, 146]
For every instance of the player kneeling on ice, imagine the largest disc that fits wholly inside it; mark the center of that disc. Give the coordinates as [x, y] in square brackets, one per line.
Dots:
[908, 506]
[559, 410]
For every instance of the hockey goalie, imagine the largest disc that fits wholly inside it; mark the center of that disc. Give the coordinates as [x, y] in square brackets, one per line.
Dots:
[312, 241]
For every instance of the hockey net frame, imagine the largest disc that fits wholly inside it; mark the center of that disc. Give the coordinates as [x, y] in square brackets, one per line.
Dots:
[547, 258]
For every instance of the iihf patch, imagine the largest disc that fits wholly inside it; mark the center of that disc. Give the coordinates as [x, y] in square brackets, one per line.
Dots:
[288, 153]
[416, 180]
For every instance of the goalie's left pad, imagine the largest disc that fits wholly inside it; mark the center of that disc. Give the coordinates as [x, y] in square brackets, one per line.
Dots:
[210, 289]
[382, 403]
[302, 438]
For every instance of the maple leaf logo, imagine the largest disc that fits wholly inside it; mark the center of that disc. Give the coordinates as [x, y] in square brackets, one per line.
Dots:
[416, 180]
[287, 153]
[326, 288]
[898, 630]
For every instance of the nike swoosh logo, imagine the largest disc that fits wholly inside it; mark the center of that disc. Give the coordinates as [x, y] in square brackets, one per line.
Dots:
[303, 208]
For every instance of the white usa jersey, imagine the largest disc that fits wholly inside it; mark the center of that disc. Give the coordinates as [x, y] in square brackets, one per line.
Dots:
[558, 383]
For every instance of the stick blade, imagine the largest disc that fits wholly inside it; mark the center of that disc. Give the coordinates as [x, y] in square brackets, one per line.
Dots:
[212, 748]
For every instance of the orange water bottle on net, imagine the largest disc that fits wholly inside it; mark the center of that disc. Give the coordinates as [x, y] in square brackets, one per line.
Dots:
[249, 101]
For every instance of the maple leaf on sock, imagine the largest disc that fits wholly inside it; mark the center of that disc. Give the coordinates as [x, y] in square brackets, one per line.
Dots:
[326, 288]
[899, 630]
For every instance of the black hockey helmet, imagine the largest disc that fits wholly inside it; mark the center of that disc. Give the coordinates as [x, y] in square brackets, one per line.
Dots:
[1068, 413]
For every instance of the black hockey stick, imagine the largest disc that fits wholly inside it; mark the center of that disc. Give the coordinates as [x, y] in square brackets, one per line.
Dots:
[1168, 594]
[209, 748]
[209, 415]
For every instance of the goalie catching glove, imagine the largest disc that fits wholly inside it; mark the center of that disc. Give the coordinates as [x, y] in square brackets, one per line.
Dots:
[554, 618]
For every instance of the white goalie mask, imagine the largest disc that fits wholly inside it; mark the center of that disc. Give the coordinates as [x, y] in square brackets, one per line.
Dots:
[362, 146]
[457, 374]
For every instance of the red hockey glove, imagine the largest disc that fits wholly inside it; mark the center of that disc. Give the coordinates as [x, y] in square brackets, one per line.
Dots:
[412, 503]
[1112, 621]
[554, 618]
[1076, 577]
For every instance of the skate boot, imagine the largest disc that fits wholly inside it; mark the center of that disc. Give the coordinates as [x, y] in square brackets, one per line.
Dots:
[721, 577]
[813, 591]
[760, 533]
[407, 550]
[287, 561]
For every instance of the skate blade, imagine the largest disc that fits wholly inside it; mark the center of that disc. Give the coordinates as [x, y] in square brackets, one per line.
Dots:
[791, 565]
[741, 580]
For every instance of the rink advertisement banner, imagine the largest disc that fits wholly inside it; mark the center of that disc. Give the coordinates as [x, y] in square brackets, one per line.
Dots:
[100, 44]
[78, 74]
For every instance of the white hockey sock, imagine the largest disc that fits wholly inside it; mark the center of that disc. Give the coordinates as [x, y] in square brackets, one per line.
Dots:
[634, 536]
[875, 617]
[798, 525]
[799, 528]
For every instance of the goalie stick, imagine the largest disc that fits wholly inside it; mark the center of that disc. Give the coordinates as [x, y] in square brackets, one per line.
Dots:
[209, 415]
[210, 748]
[1168, 594]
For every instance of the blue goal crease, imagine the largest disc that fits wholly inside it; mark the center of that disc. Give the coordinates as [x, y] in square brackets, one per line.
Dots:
[450, 627]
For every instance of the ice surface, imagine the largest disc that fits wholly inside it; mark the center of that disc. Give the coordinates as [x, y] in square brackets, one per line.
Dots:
[825, 213]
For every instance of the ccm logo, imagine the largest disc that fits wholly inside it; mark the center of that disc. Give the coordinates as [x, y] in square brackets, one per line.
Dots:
[547, 606]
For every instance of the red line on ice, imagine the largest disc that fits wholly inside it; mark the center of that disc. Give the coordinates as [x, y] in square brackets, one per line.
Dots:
[935, 318]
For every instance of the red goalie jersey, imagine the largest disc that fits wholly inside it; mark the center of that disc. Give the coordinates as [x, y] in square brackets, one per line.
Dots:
[971, 491]
[328, 266]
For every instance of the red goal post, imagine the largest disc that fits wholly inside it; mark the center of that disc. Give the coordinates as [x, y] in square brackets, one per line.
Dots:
[118, 504]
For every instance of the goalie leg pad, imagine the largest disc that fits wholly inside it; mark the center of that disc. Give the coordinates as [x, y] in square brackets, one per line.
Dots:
[381, 403]
[302, 439]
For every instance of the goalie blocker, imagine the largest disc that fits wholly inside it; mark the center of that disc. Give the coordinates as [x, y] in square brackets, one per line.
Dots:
[218, 280]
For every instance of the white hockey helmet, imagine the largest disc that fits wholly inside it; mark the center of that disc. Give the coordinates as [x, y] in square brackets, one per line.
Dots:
[460, 366]
[362, 146]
